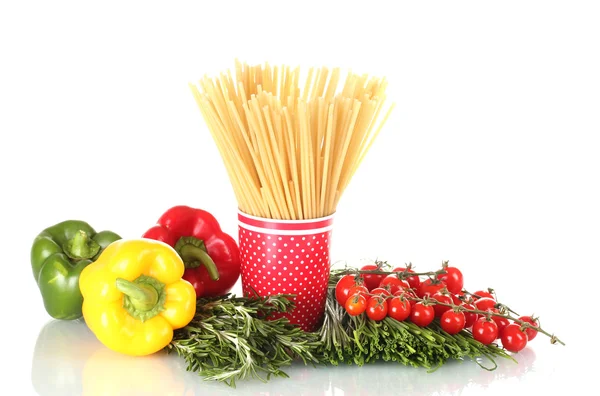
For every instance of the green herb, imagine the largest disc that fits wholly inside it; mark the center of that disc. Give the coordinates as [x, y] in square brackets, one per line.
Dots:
[358, 340]
[230, 339]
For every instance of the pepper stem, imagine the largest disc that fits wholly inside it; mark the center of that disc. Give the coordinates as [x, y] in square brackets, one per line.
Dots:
[81, 246]
[193, 253]
[142, 297]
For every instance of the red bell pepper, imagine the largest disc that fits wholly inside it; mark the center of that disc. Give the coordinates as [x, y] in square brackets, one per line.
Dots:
[211, 257]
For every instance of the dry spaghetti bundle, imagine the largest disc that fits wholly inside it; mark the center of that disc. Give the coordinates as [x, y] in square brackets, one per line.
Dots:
[291, 145]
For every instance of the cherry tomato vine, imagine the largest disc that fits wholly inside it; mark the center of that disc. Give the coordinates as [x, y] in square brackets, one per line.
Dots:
[402, 294]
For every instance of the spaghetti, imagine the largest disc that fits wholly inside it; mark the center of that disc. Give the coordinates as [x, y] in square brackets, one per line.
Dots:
[289, 152]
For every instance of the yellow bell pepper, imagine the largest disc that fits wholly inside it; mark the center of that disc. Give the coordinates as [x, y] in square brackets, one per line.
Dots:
[134, 296]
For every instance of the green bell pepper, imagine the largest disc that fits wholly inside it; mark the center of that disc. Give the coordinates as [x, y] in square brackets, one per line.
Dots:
[58, 255]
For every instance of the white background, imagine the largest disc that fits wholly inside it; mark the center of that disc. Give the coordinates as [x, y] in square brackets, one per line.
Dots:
[490, 159]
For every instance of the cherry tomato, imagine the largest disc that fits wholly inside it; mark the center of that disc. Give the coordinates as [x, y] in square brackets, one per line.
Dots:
[394, 283]
[483, 304]
[455, 299]
[501, 322]
[407, 294]
[428, 287]
[482, 293]
[470, 317]
[443, 298]
[453, 279]
[399, 309]
[372, 280]
[362, 289]
[377, 308]
[342, 288]
[531, 333]
[513, 338]
[381, 291]
[356, 304]
[485, 331]
[422, 315]
[413, 281]
[452, 322]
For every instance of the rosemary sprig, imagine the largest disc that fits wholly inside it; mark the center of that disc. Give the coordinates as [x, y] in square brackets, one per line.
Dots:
[230, 339]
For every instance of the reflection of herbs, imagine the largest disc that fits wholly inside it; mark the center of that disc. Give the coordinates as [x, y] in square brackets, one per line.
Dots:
[230, 339]
[358, 340]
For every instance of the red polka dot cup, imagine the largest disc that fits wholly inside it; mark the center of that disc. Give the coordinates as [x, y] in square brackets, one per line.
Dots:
[287, 257]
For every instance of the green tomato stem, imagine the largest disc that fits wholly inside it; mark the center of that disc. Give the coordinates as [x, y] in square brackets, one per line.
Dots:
[553, 338]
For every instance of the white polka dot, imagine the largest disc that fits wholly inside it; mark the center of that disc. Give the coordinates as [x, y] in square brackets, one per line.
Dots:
[308, 244]
[279, 238]
[292, 238]
[268, 237]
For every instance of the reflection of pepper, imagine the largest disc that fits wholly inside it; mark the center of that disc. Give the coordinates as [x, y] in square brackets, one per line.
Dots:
[61, 349]
[58, 255]
[194, 233]
[134, 297]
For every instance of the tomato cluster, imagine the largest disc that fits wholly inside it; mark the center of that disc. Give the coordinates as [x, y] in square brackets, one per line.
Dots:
[440, 298]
